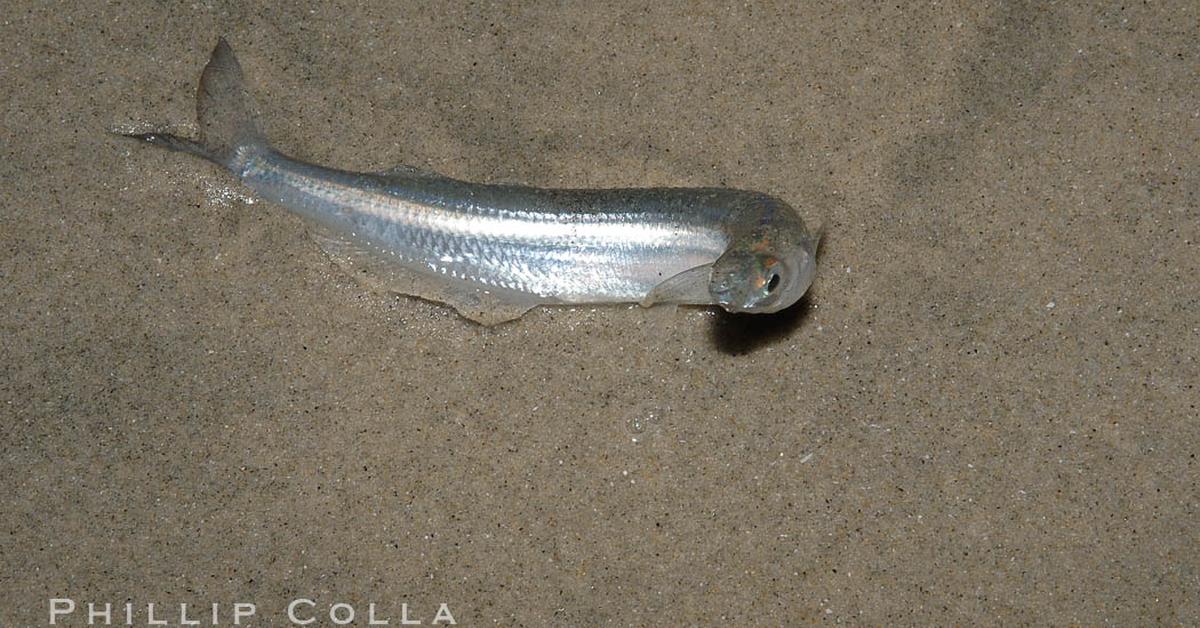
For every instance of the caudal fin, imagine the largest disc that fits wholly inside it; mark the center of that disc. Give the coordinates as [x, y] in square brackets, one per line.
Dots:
[223, 111]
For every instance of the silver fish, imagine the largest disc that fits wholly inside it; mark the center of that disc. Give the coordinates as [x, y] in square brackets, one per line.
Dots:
[491, 251]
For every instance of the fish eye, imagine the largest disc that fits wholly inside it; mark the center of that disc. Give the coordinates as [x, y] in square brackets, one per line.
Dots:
[772, 283]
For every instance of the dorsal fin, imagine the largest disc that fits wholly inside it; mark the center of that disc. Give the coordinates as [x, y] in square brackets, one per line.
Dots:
[408, 172]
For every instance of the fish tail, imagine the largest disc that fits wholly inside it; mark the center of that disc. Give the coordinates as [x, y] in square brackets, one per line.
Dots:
[223, 111]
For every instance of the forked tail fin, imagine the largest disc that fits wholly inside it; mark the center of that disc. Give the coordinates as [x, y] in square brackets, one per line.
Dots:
[223, 111]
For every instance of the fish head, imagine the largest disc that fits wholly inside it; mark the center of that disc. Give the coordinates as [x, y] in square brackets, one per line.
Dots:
[766, 271]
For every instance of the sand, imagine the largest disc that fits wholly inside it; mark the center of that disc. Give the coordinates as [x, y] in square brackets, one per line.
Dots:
[984, 412]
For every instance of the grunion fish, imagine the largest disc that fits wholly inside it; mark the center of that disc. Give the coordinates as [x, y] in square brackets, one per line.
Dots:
[492, 251]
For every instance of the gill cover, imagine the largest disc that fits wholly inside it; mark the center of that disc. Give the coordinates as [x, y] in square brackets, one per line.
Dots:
[768, 269]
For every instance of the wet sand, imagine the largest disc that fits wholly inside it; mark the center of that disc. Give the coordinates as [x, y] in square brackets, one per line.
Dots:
[985, 411]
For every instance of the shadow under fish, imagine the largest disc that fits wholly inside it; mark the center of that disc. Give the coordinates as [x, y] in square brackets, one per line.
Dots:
[740, 334]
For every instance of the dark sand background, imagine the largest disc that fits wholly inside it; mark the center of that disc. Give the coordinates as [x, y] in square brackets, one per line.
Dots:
[986, 410]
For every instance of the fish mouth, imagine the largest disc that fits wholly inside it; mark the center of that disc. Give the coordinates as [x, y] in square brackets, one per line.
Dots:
[727, 303]
[728, 300]
[723, 297]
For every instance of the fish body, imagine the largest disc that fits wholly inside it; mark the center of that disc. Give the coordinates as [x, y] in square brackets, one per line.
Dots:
[494, 251]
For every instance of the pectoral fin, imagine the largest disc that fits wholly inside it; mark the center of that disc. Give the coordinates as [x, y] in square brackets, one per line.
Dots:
[689, 287]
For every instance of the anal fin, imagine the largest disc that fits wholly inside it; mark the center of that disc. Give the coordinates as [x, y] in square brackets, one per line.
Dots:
[384, 272]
